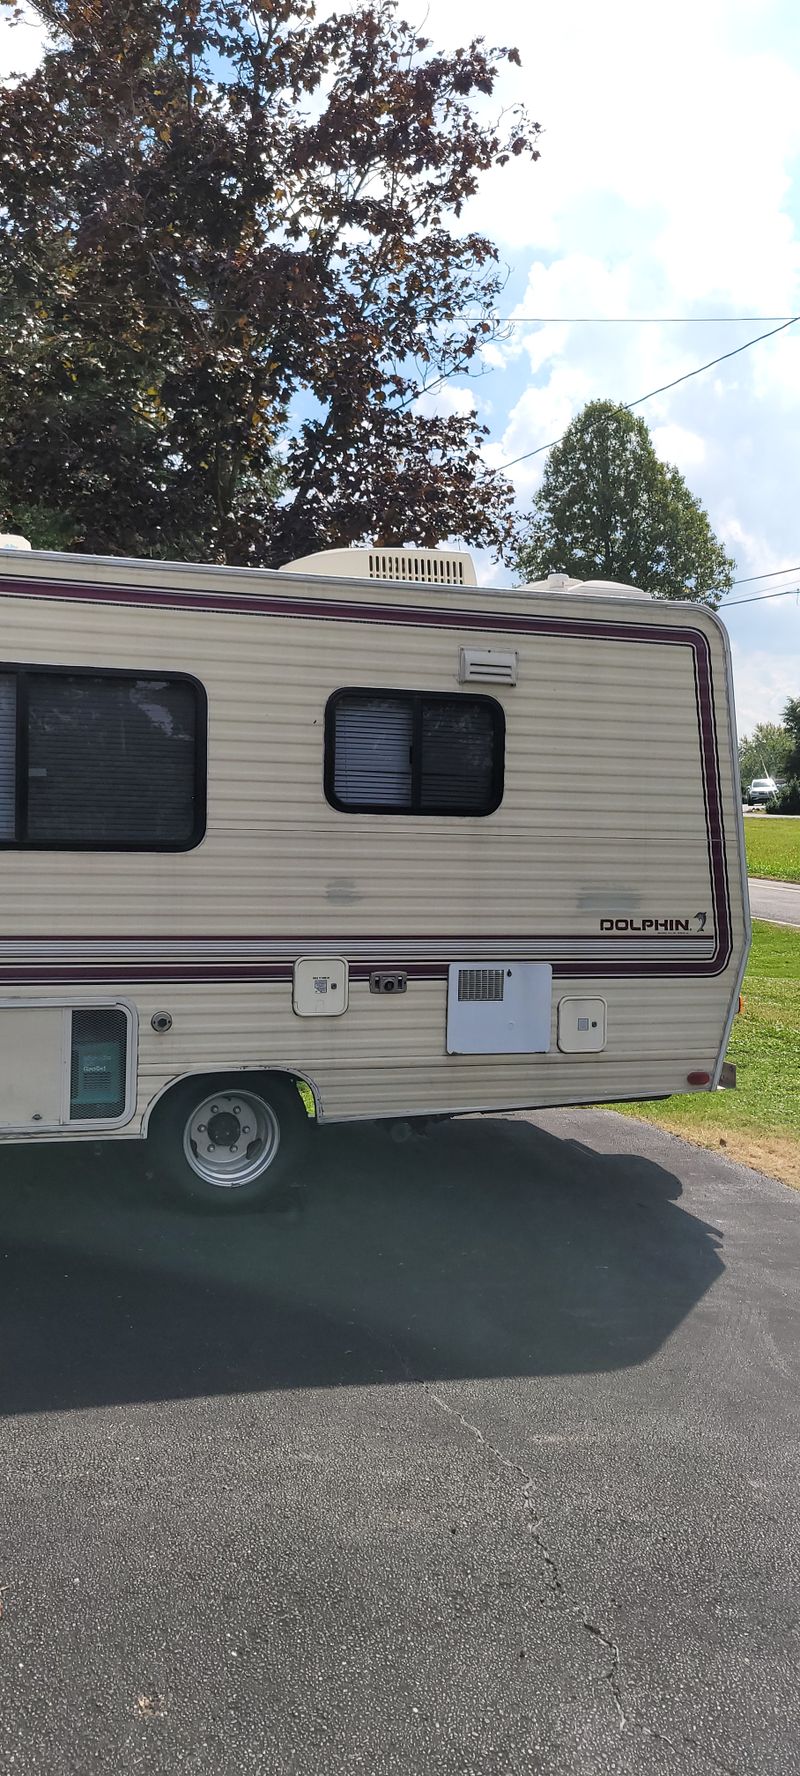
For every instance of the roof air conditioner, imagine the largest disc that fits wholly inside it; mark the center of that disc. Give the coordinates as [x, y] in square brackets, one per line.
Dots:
[411, 567]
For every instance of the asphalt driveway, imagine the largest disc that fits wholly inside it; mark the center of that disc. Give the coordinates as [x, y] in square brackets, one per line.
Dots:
[486, 1463]
[778, 901]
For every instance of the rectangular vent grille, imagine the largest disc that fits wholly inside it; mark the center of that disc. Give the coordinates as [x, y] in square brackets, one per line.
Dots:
[98, 1064]
[417, 567]
[481, 983]
[487, 666]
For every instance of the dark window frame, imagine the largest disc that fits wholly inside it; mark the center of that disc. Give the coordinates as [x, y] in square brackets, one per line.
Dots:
[416, 698]
[22, 670]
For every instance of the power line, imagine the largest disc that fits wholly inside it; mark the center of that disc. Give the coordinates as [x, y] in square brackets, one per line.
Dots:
[629, 320]
[772, 575]
[758, 597]
[662, 390]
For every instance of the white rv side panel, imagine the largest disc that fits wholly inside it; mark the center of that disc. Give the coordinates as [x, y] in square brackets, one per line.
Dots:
[32, 1074]
[603, 810]
[387, 1056]
[613, 858]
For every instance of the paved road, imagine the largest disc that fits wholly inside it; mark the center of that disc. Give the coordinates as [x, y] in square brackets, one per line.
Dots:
[487, 1463]
[779, 901]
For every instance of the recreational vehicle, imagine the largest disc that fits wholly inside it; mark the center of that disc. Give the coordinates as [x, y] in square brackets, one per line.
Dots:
[354, 839]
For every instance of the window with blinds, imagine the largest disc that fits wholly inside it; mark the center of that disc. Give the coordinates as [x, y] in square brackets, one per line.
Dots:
[413, 752]
[101, 760]
[8, 774]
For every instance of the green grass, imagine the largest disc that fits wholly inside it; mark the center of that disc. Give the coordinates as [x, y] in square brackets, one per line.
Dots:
[773, 846]
[759, 1122]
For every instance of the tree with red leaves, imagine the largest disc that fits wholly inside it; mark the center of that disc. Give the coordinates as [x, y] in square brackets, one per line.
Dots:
[230, 264]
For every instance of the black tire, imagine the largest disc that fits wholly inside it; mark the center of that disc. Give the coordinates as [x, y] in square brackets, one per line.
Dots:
[196, 1133]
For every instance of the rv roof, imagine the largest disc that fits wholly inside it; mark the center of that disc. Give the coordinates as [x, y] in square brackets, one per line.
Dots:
[590, 588]
[448, 570]
[436, 567]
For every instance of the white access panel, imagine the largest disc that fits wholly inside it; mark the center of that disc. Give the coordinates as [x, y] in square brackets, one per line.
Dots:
[581, 1025]
[32, 1067]
[499, 1007]
[320, 986]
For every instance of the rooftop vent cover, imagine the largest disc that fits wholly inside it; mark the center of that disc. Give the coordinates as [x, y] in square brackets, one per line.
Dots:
[409, 567]
[419, 567]
[487, 666]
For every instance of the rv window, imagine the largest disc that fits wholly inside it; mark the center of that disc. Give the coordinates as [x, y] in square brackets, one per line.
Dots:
[407, 752]
[101, 760]
[8, 729]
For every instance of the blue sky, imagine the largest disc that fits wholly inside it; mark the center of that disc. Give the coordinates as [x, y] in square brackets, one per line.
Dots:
[668, 184]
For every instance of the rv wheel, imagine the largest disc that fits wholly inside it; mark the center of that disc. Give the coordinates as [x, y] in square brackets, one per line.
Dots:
[232, 1143]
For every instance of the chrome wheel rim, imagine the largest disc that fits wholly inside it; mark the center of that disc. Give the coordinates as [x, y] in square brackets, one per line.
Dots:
[230, 1138]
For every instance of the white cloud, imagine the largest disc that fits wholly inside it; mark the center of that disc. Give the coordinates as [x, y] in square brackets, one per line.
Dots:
[677, 130]
[755, 556]
[449, 398]
[676, 444]
[762, 684]
[537, 419]
[21, 45]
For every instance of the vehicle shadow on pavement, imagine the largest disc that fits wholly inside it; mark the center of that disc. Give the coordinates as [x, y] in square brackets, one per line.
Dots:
[489, 1248]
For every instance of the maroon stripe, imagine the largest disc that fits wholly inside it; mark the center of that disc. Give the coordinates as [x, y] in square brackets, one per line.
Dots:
[381, 945]
[95, 975]
[714, 816]
[342, 610]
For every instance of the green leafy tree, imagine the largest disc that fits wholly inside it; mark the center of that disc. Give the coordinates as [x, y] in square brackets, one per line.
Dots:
[765, 753]
[788, 799]
[791, 722]
[230, 263]
[608, 508]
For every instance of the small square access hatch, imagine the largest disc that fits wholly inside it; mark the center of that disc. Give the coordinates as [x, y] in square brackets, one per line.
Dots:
[581, 1026]
[320, 986]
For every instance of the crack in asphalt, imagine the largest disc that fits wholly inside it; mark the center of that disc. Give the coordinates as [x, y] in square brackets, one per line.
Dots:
[613, 1672]
[693, 1745]
[554, 1584]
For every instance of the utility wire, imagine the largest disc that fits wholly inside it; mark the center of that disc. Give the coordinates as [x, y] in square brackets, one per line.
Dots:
[662, 390]
[758, 597]
[628, 320]
[772, 575]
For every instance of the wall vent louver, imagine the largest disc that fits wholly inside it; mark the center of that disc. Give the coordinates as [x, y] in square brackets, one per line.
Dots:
[481, 984]
[487, 666]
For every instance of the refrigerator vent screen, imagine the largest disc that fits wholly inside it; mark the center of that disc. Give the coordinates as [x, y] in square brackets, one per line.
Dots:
[481, 983]
[98, 1064]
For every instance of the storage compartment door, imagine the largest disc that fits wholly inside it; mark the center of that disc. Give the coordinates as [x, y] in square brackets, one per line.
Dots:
[32, 1066]
[499, 1008]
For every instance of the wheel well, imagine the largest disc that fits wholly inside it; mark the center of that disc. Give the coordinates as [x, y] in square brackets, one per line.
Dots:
[250, 1074]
